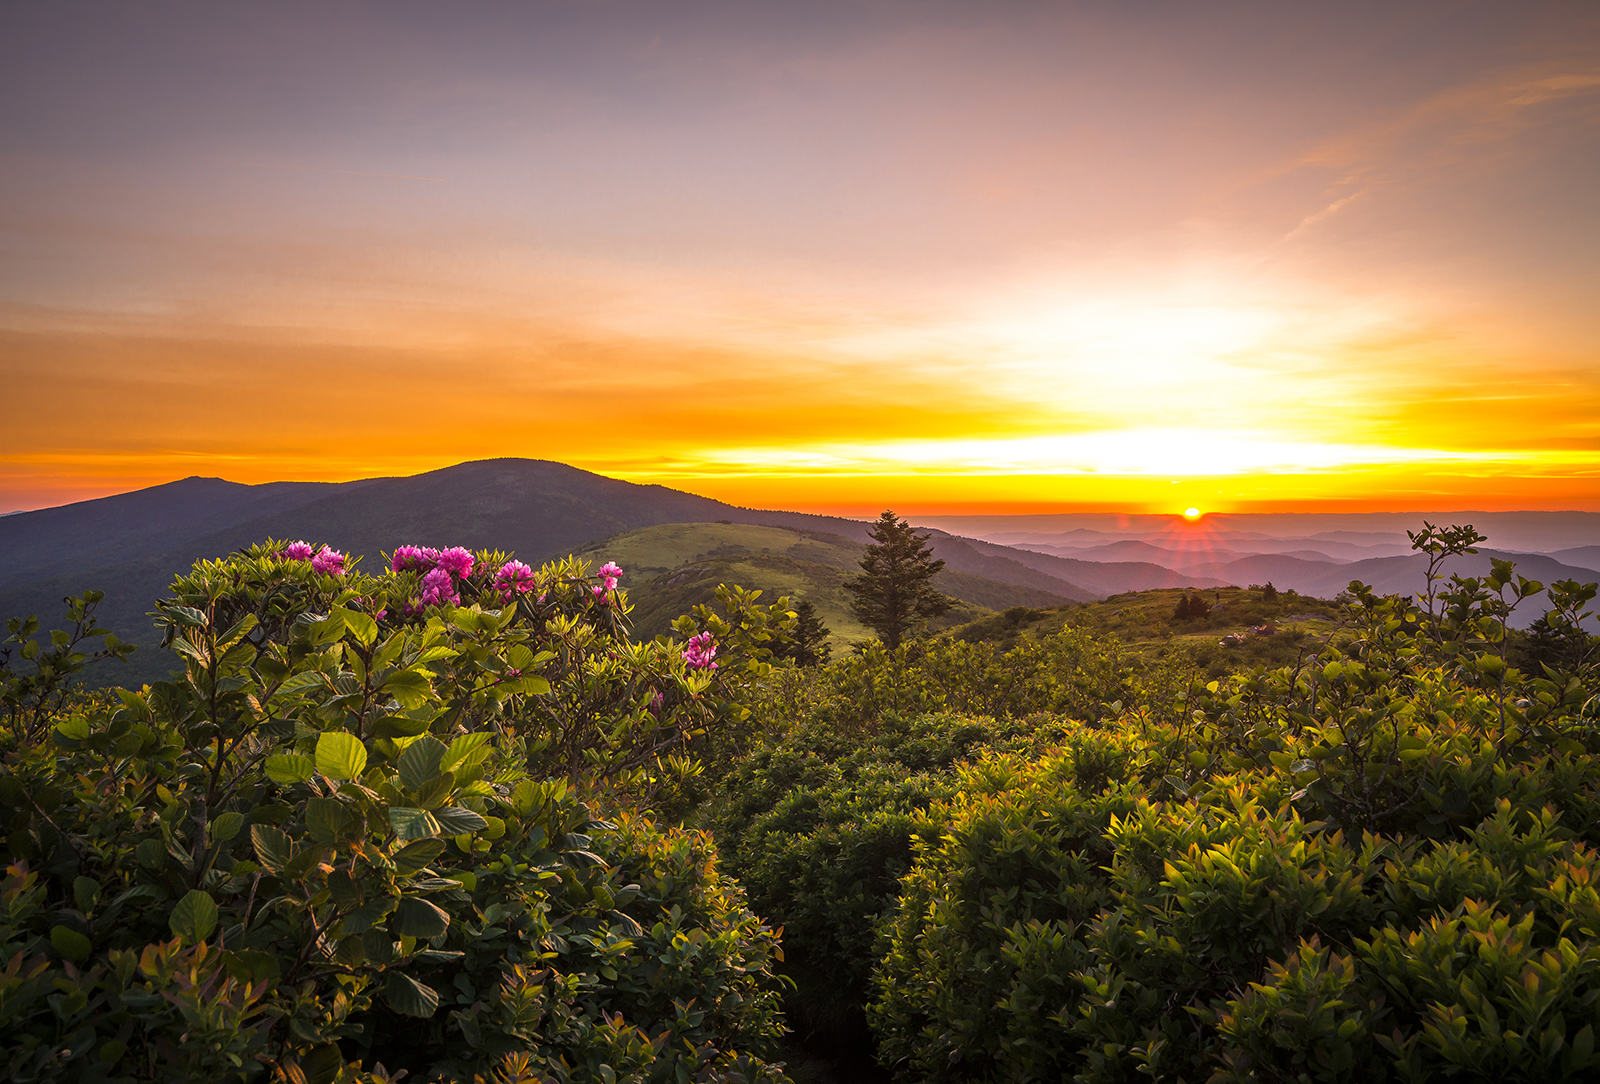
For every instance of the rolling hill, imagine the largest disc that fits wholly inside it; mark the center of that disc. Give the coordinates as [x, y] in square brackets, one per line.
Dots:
[131, 545]
[670, 568]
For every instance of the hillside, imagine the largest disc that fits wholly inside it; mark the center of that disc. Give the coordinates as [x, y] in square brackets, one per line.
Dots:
[1222, 641]
[130, 546]
[670, 568]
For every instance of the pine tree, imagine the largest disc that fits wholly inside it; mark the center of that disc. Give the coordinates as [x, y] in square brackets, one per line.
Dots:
[809, 646]
[894, 593]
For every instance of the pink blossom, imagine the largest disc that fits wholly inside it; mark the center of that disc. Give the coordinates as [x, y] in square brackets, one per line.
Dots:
[514, 578]
[328, 562]
[599, 592]
[438, 589]
[295, 551]
[609, 574]
[456, 560]
[702, 648]
[409, 558]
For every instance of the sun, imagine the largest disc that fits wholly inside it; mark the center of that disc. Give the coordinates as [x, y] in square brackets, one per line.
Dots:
[1191, 514]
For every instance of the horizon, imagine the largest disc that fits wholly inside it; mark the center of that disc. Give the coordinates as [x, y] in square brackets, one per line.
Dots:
[1027, 259]
[944, 518]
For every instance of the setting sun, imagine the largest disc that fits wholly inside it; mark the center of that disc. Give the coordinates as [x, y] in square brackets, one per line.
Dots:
[1191, 513]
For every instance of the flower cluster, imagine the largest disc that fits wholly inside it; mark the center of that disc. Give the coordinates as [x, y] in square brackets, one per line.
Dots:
[513, 579]
[414, 559]
[610, 573]
[295, 551]
[439, 588]
[328, 562]
[440, 570]
[455, 560]
[701, 650]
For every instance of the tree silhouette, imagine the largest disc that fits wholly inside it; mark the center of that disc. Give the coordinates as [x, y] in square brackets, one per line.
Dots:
[894, 593]
[810, 646]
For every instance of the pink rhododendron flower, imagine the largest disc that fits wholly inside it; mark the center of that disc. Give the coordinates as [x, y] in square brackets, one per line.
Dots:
[599, 592]
[410, 558]
[439, 589]
[295, 551]
[514, 578]
[609, 574]
[702, 648]
[328, 562]
[456, 560]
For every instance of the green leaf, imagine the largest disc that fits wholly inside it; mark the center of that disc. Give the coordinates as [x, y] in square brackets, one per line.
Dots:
[414, 856]
[344, 888]
[287, 768]
[341, 755]
[311, 679]
[329, 629]
[399, 726]
[227, 826]
[420, 761]
[418, 918]
[460, 749]
[187, 615]
[412, 823]
[369, 914]
[85, 893]
[273, 848]
[322, 1064]
[240, 629]
[70, 943]
[455, 821]
[409, 687]
[362, 627]
[409, 997]
[75, 727]
[194, 918]
[326, 819]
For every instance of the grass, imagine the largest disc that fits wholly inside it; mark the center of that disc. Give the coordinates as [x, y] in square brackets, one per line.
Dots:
[1145, 622]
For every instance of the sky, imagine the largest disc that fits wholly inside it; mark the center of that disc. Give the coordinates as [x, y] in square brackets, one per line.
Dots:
[947, 258]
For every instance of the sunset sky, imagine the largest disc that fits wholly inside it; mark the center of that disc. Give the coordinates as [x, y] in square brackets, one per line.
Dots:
[949, 258]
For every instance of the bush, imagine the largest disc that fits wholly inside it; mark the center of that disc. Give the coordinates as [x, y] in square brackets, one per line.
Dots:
[352, 831]
[1381, 859]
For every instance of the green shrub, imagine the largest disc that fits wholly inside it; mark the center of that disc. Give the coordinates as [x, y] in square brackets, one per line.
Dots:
[1378, 863]
[336, 840]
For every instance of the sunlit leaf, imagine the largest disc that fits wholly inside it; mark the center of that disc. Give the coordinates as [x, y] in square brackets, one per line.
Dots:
[420, 762]
[412, 823]
[341, 755]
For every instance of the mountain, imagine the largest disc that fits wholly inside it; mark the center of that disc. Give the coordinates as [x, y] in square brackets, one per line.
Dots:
[1102, 578]
[131, 545]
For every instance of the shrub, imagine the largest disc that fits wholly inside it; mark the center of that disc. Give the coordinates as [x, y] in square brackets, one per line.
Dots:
[336, 839]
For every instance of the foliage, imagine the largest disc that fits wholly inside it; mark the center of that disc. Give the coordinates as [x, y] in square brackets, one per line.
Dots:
[1377, 862]
[809, 645]
[353, 829]
[819, 828]
[894, 592]
[30, 700]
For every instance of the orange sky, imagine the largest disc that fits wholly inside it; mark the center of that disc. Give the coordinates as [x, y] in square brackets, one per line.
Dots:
[1036, 257]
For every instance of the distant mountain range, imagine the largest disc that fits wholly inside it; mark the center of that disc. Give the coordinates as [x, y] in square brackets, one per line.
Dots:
[131, 545]
[1294, 551]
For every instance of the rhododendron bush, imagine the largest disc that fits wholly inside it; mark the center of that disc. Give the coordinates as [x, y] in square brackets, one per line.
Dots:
[360, 829]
